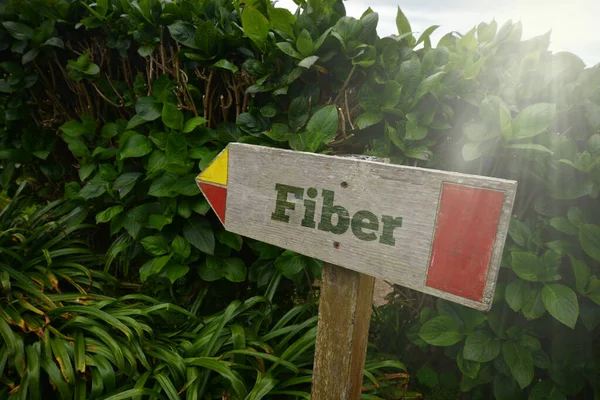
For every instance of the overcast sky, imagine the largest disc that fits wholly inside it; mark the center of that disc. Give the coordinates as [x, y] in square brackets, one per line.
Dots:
[574, 23]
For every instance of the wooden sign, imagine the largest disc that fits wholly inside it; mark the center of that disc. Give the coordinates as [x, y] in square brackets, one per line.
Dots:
[438, 232]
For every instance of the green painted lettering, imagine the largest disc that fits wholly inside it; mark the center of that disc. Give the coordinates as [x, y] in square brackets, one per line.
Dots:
[327, 213]
[282, 204]
[389, 224]
[365, 220]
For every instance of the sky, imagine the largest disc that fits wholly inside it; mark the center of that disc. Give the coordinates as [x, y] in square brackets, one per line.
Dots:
[573, 23]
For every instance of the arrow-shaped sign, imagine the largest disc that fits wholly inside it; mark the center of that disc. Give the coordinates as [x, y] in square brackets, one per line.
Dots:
[438, 232]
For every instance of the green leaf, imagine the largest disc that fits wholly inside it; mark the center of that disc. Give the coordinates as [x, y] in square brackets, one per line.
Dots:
[403, 25]
[519, 232]
[520, 362]
[593, 290]
[230, 239]
[181, 248]
[582, 274]
[30, 56]
[589, 237]
[562, 224]
[108, 214]
[153, 267]
[481, 346]
[529, 267]
[467, 367]
[18, 30]
[135, 146]
[546, 390]
[427, 376]
[255, 25]
[147, 108]
[304, 43]
[290, 263]
[125, 183]
[200, 235]
[288, 49]
[298, 113]
[324, 121]
[534, 306]
[282, 20]
[308, 62]
[74, 128]
[234, 269]
[561, 303]
[192, 123]
[176, 149]
[226, 64]
[212, 269]
[172, 116]
[206, 38]
[368, 119]
[415, 132]
[441, 331]
[533, 120]
[155, 245]
[94, 188]
[516, 293]
[530, 147]
[175, 271]
[471, 151]
[183, 33]
[428, 84]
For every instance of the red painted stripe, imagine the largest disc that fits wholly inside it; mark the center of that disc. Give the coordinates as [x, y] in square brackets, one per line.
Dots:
[217, 197]
[466, 229]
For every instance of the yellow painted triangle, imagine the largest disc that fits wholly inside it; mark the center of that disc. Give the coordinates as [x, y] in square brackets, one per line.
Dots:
[216, 172]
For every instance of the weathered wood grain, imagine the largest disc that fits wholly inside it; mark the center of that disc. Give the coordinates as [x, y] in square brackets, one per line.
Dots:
[382, 189]
[342, 336]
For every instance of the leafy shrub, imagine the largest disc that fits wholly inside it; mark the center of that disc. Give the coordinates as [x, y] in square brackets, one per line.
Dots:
[116, 105]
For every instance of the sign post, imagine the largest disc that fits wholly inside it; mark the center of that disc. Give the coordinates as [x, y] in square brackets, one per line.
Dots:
[437, 232]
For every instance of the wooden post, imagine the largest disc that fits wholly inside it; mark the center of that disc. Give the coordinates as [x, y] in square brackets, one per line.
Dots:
[342, 333]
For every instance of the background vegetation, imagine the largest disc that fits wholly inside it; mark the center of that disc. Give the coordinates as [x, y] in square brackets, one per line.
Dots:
[118, 281]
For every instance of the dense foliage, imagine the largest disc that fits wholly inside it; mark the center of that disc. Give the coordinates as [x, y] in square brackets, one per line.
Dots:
[114, 106]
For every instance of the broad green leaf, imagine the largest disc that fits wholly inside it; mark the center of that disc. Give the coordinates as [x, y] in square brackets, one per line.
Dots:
[212, 269]
[529, 147]
[288, 49]
[529, 267]
[206, 38]
[582, 274]
[589, 237]
[368, 119]
[519, 232]
[561, 303]
[478, 132]
[184, 33]
[593, 290]
[181, 248]
[234, 269]
[282, 20]
[563, 225]
[226, 64]
[125, 183]
[415, 132]
[155, 245]
[308, 62]
[200, 235]
[192, 123]
[230, 239]
[427, 376]
[534, 306]
[147, 108]
[18, 30]
[471, 151]
[108, 214]
[175, 271]
[546, 390]
[94, 188]
[153, 267]
[520, 362]
[441, 331]
[324, 121]
[135, 146]
[533, 120]
[403, 25]
[428, 84]
[176, 149]
[467, 367]
[481, 346]
[172, 116]
[304, 43]
[516, 293]
[255, 25]
[298, 113]
[290, 263]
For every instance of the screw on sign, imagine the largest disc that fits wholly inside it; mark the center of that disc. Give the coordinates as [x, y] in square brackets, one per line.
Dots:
[437, 232]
